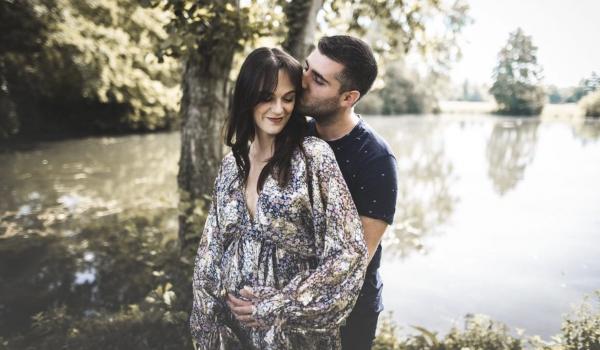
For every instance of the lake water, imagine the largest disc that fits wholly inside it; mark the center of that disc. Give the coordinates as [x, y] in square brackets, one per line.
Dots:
[498, 216]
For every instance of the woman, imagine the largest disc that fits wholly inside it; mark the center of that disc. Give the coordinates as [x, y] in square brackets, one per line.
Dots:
[282, 256]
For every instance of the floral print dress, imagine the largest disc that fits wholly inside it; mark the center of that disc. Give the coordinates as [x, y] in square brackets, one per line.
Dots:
[303, 254]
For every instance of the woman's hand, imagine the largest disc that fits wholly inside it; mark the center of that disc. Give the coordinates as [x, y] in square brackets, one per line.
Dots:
[243, 308]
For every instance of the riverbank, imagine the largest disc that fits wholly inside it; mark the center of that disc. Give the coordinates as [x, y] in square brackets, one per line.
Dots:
[565, 111]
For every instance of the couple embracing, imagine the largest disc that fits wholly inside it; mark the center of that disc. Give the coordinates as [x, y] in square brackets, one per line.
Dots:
[291, 246]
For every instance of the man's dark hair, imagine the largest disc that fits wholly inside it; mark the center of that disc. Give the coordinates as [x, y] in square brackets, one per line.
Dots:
[360, 67]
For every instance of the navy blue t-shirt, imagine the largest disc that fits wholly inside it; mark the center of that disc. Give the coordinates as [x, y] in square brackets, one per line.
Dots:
[370, 171]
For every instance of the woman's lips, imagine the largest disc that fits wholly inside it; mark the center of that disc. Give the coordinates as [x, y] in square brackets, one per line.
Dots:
[276, 120]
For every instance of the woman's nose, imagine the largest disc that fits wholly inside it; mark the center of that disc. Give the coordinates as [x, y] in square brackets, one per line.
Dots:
[277, 106]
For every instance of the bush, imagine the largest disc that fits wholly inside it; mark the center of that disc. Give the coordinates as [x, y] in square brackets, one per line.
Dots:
[138, 298]
[480, 333]
[591, 104]
[580, 331]
[581, 328]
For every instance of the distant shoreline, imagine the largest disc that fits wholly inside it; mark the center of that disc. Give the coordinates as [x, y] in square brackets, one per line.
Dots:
[550, 111]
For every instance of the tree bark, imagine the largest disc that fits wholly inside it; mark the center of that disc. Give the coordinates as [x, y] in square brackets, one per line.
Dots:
[301, 20]
[203, 111]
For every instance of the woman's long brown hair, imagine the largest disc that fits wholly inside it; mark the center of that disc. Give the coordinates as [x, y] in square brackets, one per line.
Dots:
[257, 81]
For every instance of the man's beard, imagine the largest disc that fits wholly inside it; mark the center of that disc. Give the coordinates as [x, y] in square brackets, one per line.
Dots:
[322, 111]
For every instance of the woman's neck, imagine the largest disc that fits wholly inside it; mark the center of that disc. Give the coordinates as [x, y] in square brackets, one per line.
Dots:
[261, 147]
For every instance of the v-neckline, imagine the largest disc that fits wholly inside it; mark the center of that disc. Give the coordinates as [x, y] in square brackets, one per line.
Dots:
[249, 215]
[252, 218]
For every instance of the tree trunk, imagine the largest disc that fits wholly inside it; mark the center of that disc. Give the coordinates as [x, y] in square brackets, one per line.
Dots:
[203, 111]
[301, 20]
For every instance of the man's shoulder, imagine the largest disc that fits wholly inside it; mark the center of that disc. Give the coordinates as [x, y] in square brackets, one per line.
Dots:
[370, 141]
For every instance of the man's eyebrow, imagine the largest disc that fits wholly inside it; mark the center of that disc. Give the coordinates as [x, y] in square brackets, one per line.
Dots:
[316, 73]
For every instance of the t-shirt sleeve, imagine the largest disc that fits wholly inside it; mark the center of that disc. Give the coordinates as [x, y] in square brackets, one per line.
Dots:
[377, 189]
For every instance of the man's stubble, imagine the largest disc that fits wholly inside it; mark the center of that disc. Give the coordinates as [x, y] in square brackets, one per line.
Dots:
[323, 111]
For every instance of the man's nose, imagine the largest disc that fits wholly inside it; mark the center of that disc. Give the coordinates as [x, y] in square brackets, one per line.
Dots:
[304, 79]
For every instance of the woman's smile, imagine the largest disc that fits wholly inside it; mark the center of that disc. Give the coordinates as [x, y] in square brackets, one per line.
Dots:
[275, 120]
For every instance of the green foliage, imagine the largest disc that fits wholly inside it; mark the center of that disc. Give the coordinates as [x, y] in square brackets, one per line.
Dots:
[404, 92]
[479, 333]
[581, 328]
[558, 95]
[387, 338]
[211, 28]
[585, 87]
[396, 27]
[580, 331]
[517, 77]
[482, 333]
[138, 298]
[591, 104]
[471, 92]
[95, 69]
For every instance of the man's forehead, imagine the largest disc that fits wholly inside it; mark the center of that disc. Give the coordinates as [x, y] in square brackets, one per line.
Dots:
[323, 64]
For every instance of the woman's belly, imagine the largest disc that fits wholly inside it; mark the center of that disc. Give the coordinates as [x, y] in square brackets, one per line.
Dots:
[252, 262]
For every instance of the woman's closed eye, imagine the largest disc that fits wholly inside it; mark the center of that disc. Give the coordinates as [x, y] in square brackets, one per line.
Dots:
[289, 98]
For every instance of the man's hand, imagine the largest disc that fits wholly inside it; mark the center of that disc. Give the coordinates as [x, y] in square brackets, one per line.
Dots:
[242, 309]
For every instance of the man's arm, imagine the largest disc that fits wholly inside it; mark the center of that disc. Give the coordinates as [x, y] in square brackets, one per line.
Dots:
[373, 230]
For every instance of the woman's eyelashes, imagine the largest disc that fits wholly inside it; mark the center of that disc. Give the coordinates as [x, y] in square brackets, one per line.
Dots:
[268, 97]
[289, 98]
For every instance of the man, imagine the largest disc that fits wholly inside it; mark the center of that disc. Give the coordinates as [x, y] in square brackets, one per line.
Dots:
[337, 74]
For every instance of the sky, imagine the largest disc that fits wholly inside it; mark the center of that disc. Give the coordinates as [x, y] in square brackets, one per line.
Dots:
[567, 34]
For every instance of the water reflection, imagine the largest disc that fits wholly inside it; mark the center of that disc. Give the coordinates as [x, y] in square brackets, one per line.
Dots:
[426, 175]
[112, 262]
[587, 130]
[46, 186]
[510, 150]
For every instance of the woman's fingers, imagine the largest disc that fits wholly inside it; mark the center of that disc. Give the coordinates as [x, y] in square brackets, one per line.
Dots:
[241, 312]
[248, 293]
[242, 309]
[237, 301]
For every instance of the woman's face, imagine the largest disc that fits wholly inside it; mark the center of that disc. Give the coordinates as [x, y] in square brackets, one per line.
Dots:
[272, 114]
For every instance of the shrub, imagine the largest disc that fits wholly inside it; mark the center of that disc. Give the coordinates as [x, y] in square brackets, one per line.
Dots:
[591, 104]
[581, 328]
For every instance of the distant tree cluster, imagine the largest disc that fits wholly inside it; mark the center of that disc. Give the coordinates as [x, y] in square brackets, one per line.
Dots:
[468, 91]
[574, 94]
[517, 77]
[585, 87]
[405, 92]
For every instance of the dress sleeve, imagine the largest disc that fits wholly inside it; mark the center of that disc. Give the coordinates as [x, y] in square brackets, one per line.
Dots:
[207, 322]
[322, 298]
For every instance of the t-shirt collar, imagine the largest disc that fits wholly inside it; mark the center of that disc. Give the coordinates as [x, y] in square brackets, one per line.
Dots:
[349, 136]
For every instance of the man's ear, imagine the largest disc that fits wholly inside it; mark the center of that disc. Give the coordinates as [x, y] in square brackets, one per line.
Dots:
[349, 98]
